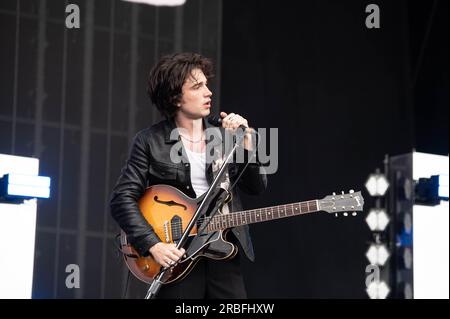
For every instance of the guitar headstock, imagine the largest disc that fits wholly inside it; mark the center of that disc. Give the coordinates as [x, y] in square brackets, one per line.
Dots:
[342, 203]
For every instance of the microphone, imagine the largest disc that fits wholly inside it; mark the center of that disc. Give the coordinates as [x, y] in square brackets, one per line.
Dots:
[216, 120]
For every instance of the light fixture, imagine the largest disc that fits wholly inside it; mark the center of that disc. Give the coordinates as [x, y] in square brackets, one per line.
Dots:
[377, 254]
[407, 258]
[378, 290]
[408, 292]
[407, 223]
[377, 219]
[443, 187]
[430, 191]
[17, 187]
[377, 184]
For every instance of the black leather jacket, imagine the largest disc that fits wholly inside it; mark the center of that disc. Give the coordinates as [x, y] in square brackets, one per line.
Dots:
[149, 163]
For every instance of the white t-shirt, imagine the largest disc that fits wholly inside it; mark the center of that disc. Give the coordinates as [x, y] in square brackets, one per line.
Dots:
[198, 176]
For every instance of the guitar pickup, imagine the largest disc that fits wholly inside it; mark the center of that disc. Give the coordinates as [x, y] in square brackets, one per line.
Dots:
[176, 227]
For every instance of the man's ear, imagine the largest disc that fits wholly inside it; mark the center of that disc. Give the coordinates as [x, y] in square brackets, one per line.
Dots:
[176, 100]
[179, 101]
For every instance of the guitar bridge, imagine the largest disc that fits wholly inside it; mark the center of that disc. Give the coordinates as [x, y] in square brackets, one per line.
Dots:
[166, 231]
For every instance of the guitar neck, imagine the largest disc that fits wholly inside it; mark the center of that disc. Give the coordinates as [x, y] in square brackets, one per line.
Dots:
[222, 222]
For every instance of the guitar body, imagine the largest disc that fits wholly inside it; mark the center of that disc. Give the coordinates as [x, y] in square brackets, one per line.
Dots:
[169, 211]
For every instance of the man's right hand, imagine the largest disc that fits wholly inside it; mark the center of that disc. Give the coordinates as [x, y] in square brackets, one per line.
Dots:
[166, 254]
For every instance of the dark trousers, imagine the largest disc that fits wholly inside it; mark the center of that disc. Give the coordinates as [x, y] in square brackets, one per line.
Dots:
[209, 279]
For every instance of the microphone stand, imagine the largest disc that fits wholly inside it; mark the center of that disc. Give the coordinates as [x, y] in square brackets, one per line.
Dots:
[156, 283]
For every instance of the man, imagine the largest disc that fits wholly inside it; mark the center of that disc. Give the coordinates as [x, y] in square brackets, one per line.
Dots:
[178, 87]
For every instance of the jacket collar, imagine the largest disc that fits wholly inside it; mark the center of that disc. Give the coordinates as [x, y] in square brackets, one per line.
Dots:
[169, 126]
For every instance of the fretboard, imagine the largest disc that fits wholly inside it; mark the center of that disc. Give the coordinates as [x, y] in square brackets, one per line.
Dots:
[221, 222]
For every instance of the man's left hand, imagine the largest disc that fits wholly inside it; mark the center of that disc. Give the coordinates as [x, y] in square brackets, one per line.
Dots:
[233, 121]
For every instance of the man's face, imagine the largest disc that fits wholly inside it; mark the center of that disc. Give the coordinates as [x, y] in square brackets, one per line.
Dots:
[196, 97]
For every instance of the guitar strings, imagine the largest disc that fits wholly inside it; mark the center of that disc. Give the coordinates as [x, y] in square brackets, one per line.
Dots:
[233, 215]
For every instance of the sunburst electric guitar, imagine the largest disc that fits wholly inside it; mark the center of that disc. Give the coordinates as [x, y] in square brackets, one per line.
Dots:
[169, 211]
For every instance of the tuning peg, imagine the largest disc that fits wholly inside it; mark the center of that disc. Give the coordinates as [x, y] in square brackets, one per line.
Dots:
[345, 214]
[351, 191]
[354, 213]
[334, 193]
[336, 215]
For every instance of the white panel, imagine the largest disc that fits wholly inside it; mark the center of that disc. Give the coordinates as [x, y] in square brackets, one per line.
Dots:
[19, 165]
[425, 165]
[430, 234]
[431, 250]
[17, 236]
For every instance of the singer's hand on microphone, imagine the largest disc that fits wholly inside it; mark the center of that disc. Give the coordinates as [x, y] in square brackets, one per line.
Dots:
[233, 121]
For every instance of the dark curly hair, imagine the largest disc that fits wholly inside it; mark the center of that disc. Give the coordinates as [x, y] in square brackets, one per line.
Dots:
[167, 77]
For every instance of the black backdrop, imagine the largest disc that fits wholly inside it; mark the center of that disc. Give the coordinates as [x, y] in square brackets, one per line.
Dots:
[342, 96]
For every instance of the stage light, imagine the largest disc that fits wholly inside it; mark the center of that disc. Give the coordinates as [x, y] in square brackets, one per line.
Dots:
[443, 187]
[378, 290]
[407, 223]
[377, 219]
[407, 258]
[430, 191]
[20, 187]
[408, 292]
[377, 254]
[377, 184]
